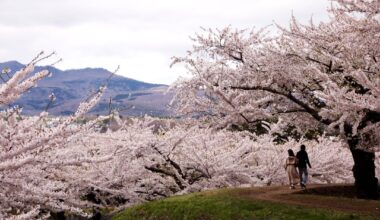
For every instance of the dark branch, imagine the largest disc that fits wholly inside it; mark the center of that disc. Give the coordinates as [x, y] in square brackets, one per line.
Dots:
[290, 111]
[319, 62]
[171, 162]
[237, 58]
[167, 173]
[289, 96]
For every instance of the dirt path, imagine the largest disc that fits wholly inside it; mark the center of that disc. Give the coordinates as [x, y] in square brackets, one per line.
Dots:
[283, 194]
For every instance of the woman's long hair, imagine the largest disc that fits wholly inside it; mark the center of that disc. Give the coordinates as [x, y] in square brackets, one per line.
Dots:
[290, 153]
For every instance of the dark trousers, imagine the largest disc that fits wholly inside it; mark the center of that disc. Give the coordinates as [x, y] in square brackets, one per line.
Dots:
[303, 175]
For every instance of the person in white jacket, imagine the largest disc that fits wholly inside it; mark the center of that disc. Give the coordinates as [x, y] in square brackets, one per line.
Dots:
[290, 167]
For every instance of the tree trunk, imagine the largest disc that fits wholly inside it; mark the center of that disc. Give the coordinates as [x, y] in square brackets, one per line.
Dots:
[366, 183]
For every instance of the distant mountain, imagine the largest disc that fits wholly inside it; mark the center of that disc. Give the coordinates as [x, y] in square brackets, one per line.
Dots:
[73, 86]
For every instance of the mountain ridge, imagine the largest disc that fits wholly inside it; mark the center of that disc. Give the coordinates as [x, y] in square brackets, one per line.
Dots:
[74, 85]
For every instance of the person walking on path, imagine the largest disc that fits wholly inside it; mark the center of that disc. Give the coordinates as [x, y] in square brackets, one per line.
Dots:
[303, 160]
[290, 167]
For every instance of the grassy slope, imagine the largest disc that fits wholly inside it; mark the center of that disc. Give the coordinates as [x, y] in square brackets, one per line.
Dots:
[227, 204]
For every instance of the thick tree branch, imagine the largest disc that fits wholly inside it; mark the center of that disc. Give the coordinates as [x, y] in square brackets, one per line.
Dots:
[170, 161]
[167, 173]
[289, 96]
[290, 111]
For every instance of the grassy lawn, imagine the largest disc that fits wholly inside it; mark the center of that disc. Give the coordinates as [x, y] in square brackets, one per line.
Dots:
[226, 204]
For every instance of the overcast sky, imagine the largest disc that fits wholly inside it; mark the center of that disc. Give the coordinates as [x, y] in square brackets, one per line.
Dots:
[139, 35]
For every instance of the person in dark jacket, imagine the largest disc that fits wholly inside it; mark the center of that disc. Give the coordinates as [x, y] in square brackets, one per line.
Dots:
[303, 160]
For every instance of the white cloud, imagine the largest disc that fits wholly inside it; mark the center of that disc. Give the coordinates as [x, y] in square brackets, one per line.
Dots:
[141, 36]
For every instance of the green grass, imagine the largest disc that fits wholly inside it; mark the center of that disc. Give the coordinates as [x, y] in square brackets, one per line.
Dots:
[225, 204]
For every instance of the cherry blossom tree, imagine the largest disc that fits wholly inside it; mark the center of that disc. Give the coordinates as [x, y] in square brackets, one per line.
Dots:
[323, 76]
[160, 158]
[35, 155]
